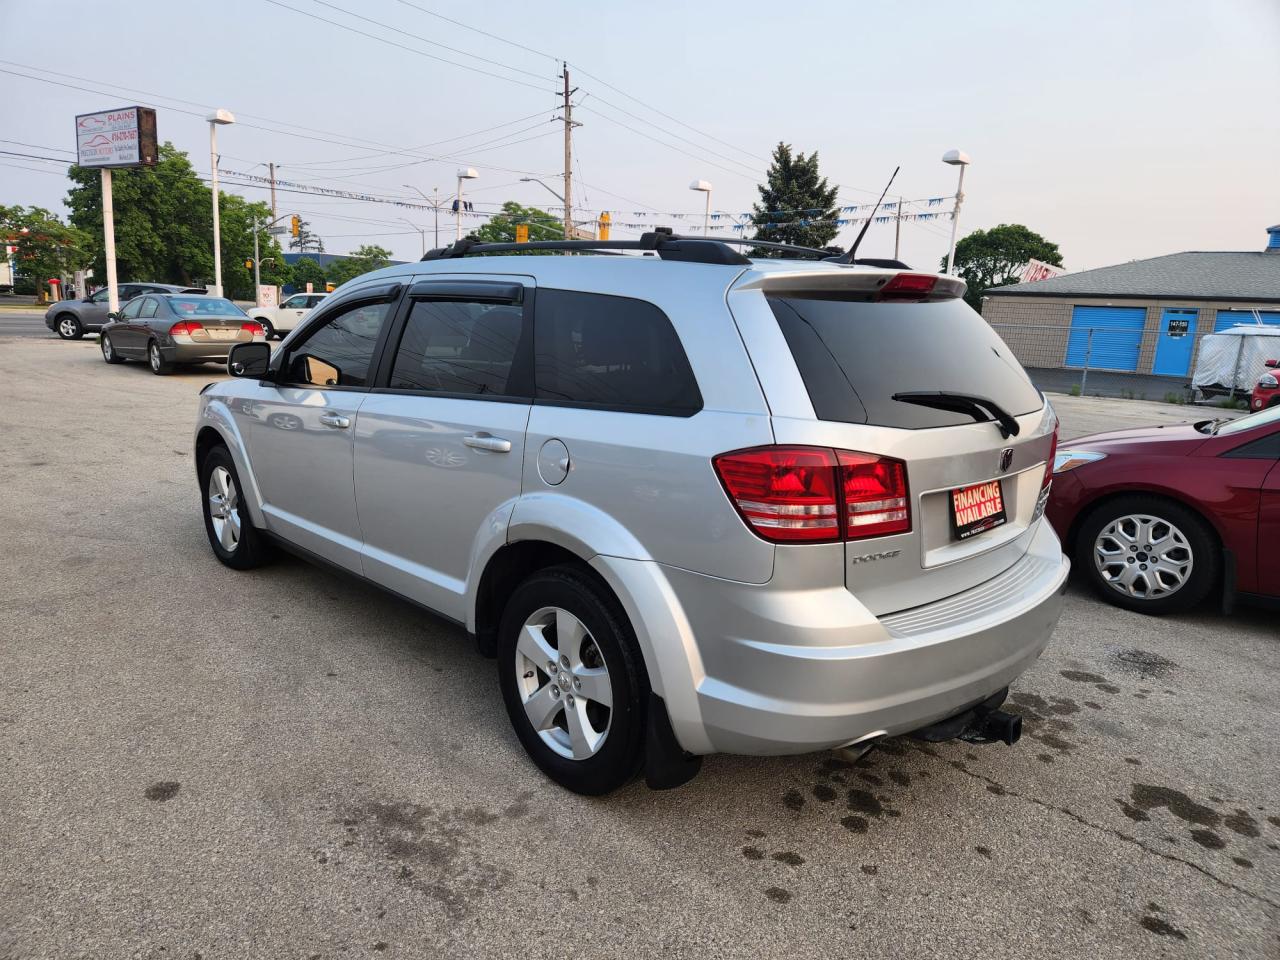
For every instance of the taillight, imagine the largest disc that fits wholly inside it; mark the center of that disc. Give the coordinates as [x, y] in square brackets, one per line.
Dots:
[252, 328]
[875, 495]
[816, 495]
[908, 286]
[185, 328]
[1053, 453]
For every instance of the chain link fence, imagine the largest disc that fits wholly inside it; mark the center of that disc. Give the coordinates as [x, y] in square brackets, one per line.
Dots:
[1104, 361]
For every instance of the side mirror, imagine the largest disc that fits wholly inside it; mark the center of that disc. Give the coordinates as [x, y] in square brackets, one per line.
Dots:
[1272, 363]
[114, 316]
[249, 360]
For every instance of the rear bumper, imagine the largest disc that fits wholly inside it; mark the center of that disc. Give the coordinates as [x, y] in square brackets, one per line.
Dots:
[782, 672]
[199, 352]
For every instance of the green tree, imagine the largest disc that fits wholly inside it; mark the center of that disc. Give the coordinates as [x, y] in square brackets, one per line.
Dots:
[45, 247]
[501, 227]
[306, 270]
[796, 203]
[361, 260]
[163, 220]
[236, 217]
[995, 257]
[306, 241]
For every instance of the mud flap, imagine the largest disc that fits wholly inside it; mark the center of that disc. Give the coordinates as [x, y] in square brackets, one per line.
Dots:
[666, 765]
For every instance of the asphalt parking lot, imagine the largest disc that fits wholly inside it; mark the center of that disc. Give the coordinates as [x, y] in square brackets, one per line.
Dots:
[203, 763]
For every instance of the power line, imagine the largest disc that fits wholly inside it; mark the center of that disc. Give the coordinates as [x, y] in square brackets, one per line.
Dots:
[671, 146]
[491, 36]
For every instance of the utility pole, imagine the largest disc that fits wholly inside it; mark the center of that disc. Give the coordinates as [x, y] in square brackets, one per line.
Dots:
[272, 168]
[257, 262]
[897, 229]
[435, 206]
[568, 156]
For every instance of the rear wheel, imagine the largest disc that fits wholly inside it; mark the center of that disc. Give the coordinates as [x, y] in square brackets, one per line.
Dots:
[159, 365]
[108, 350]
[1148, 554]
[232, 535]
[69, 327]
[268, 330]
[573, 681]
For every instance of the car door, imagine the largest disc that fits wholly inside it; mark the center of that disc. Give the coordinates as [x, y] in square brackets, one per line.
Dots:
[440, 440]
[291, 312]
[125, 334]
[299, 428]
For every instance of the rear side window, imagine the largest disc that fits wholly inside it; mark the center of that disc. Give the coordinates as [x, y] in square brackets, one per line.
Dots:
[614, 352]
[855, 355]
[459, 347]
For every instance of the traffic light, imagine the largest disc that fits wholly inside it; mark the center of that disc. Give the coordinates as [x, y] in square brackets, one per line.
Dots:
[328, 288]
[295, 224]
[522, 233]
[603, 226]
[248, 264]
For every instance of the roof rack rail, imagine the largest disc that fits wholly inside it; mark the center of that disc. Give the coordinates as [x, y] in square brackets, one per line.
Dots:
[662, 241]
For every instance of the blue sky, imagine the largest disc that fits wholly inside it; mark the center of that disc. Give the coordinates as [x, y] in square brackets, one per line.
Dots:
[1118, 129]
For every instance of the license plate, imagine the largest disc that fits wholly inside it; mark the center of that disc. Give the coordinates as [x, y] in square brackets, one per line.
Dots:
[977, 509]
[219, 334]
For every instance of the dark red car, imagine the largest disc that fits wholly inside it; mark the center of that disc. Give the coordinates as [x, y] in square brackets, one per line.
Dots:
[1266, 392]
[1157, 517]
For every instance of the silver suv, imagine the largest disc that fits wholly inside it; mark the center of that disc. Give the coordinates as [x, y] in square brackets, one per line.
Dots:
[692, 502]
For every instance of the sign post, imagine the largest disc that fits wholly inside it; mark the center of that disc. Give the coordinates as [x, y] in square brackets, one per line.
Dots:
[115, 138]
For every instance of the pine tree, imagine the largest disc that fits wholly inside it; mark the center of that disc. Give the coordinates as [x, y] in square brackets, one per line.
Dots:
[796, 204]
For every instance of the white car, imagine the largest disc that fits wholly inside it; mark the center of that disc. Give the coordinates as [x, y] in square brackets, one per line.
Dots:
[277, 321]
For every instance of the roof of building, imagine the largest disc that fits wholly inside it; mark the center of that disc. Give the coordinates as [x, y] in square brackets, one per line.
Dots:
[1193, 275]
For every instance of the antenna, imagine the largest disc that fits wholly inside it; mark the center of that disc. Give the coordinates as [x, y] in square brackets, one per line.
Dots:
[853, 251]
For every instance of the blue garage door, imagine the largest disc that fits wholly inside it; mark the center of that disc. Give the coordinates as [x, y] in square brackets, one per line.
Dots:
[1115, 341]
[1234, 318]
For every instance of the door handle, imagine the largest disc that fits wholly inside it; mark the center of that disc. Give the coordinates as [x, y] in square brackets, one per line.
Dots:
[483, 441]
[335, 420]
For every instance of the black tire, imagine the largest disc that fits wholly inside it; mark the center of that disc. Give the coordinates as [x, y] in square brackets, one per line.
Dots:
[268, 330]
[618, 758]
[159, 365]
[68, 326]
[109, 353]
[1199, 543]
[252, 549]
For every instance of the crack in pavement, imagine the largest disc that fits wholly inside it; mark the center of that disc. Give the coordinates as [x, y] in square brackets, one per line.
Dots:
[1119, 834]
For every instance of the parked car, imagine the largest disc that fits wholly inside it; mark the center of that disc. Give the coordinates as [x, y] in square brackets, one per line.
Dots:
[1266, 392]
[167, 329]
[1158, 517]
[72, 319]
[279, 320]
[692, 502]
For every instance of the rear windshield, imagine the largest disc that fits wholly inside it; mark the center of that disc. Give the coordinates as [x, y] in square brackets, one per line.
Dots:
[855, 355]
[205, 307]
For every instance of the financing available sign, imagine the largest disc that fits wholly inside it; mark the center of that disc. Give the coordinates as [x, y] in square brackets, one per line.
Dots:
[117, 138]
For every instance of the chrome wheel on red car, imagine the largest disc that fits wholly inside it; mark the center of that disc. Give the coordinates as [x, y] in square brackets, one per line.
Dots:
[1143, 556]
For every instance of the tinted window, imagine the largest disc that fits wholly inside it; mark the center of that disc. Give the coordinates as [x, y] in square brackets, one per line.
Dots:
[295, 303]
[341, 351]
[458, 347]
[101, 296]
[855, 355]
[148, 308]
[131, 309]
[610, 351]
[314, 301]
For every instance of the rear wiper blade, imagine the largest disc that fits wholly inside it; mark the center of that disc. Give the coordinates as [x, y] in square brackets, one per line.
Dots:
[980, 408]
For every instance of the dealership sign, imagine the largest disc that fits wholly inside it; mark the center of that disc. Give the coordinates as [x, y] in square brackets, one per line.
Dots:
[1038, 270]
[117, 138]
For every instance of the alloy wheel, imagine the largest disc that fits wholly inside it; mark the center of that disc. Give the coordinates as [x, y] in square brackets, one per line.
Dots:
[153, 354]
[1143, 556]
[106, 348]
[67, 327]
[224, 508]
[563, 683]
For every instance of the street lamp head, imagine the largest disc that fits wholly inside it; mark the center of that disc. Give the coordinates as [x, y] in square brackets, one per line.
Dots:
[700, 185]
[957, 158]
[468, 173]
[221, 116]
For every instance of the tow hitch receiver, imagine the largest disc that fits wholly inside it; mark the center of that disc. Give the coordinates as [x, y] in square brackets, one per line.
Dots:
[984, 722]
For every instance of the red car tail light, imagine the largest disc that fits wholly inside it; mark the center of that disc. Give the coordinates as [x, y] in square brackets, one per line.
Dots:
[875, 495]
[908, 286]
[1053, 453]
[252, 328]
[185, 328]
[816, 495]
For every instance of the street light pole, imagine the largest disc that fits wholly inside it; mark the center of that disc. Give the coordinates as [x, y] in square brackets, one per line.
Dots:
[467, 173]
[216, 119]
[702, 186]
[956, 158]
[435, 205]
[553, 193]
[421, 231]
[257, 263]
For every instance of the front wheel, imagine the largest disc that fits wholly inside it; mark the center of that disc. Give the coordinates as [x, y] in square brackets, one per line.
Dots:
[573, 681]
[109, 350]
[69, 328]
[1148, 554]
[232, 535]
[159, 365]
